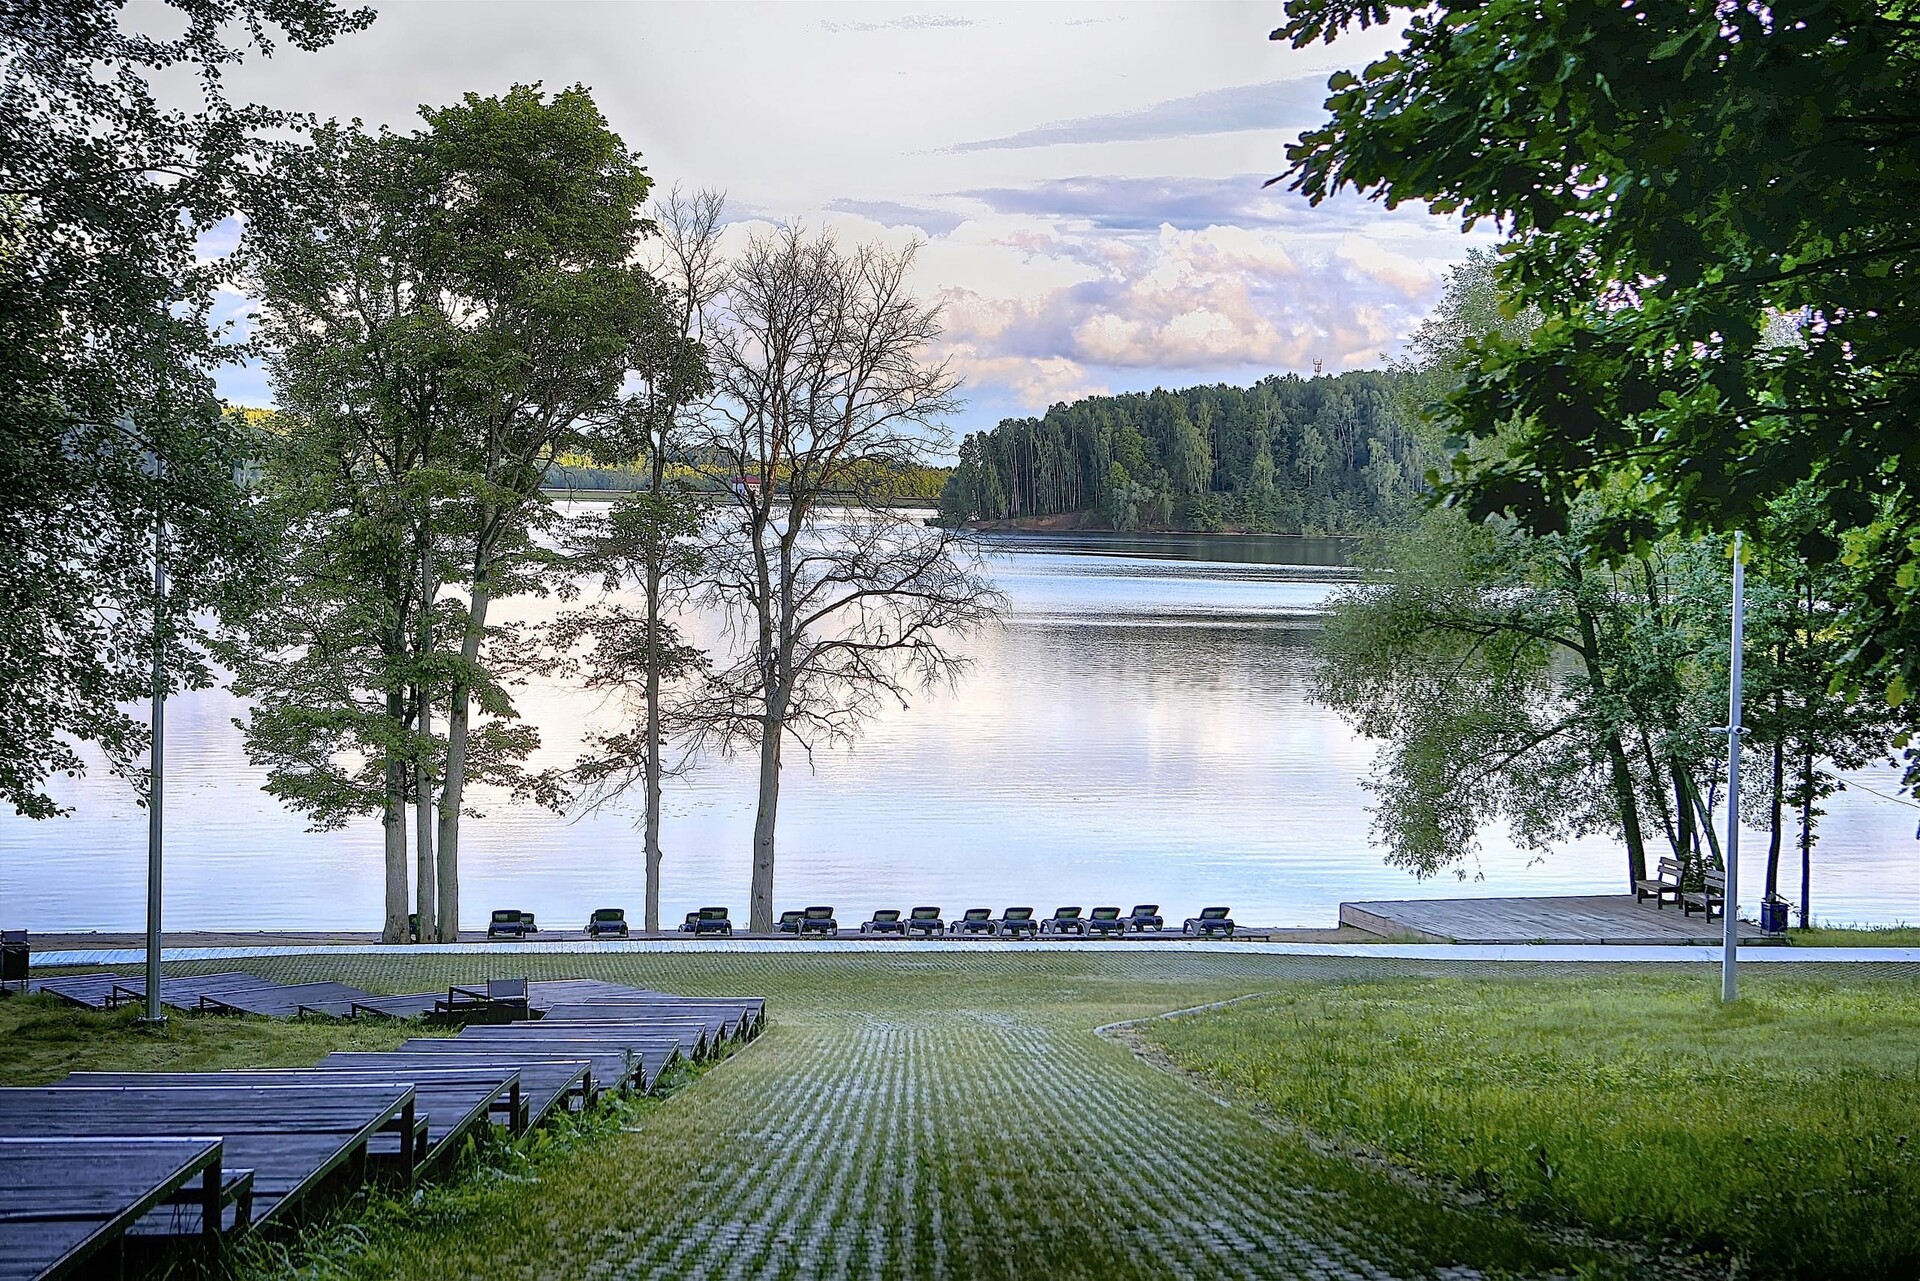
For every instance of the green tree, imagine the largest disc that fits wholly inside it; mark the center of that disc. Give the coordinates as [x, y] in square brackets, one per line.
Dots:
[1679, 181]
[469, 293]
[653, 539]
[1189, 462]
[109, 425]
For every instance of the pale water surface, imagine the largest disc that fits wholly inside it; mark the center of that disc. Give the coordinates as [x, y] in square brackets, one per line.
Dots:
[1138, 730]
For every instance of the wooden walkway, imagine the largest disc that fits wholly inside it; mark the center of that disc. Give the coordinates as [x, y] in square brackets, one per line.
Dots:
[50, 1228]
[71, 1186]
[1597, 918]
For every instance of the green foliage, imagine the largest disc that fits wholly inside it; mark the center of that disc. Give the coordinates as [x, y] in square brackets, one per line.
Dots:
[1773, 1132]
[1326, 455]
[1714, 209]
[107, 349]
[1510, 681]
[452, 311]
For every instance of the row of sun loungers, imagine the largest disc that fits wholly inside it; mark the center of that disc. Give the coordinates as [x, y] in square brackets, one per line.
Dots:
[101, 1157]
[1145, 918]
[1015, 922]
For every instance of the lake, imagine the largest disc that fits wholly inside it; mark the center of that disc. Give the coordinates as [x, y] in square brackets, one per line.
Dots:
[1138, 730]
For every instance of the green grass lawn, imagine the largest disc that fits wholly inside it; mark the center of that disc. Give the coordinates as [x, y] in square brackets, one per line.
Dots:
[41, 1040]
[1783, 1131]
[928, 1114]
[1871, 936]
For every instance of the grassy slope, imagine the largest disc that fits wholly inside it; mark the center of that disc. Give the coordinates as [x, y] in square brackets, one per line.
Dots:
[42, 1040]
[925, 1115]
[1777, 1129]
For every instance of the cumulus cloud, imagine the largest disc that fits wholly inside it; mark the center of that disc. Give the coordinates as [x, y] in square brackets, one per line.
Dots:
[1220, 299]
[1271, 104]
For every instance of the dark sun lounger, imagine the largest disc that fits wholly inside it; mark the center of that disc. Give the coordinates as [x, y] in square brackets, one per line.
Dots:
[1212, 920]
[1065, 920]
[887, 922]
[1018, 921]
[976, 920]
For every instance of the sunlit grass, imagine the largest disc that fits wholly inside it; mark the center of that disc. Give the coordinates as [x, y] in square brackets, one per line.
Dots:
[1782, 1130]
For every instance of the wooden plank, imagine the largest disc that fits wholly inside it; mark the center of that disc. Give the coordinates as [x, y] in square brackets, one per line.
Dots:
[1602, 919]
[614, 1065]
[289, 1136]
[62, 1200]
[734, 1021]
[544, 1084]
[692, 1038]
[453, 1101]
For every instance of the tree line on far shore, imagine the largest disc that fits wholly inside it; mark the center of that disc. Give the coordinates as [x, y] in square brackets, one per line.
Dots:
[1326, 455]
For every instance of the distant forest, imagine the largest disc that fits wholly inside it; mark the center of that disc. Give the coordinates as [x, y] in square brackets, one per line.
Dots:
[1323, 455]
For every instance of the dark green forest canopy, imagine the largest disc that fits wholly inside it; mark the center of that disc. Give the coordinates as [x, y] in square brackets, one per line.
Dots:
[1322, 455]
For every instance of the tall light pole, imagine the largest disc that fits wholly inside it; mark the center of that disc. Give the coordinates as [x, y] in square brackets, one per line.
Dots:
[1730, 909]
[156, 774]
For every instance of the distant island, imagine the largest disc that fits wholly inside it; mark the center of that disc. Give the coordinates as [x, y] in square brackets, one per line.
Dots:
[1325, 455]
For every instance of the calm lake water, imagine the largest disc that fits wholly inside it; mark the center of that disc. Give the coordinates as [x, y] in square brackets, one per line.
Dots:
[1137, 731]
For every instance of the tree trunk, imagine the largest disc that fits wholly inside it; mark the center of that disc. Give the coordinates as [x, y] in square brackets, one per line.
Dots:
[1773, 813]
[452, 789]
[1806, 845]
[426, 873]
[760, 904]
[1623, 797]
[653, 736]
[394, 928]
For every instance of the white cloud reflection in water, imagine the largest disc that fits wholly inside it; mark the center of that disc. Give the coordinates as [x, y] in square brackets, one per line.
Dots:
[1137, 731]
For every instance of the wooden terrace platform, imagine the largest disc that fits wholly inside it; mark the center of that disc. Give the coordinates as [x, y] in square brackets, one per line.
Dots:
[1587, 918]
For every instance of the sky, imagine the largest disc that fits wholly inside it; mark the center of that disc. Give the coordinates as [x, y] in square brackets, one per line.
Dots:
[1086, 178]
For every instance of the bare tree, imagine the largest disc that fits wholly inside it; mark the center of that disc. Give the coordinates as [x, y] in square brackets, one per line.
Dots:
[839, 602]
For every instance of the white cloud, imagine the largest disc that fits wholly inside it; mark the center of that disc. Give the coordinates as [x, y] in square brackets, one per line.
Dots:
[1217, 298]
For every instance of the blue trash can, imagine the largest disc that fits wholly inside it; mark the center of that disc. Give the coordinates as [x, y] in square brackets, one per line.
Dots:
[1773, 916]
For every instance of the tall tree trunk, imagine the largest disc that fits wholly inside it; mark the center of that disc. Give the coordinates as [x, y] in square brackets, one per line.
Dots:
[1806, 844]
[394, 928]
[459, 701]
[1773, 809]
[426, 874]
[653, 736]
[1627, 805]
[760, 900]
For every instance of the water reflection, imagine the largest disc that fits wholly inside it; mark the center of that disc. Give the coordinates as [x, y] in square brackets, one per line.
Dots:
[1137, 730]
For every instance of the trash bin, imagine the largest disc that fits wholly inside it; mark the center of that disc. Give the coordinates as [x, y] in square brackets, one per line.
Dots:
[14, 956]
[1773, 916]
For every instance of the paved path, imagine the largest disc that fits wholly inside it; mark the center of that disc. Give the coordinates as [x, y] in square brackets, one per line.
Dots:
[503, 953]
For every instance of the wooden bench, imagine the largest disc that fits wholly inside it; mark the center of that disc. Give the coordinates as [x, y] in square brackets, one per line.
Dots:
[1664, 886]
[1711, 898]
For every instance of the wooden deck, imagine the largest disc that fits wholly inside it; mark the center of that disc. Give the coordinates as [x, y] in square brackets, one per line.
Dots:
[63, 1200]
[1596, 918]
